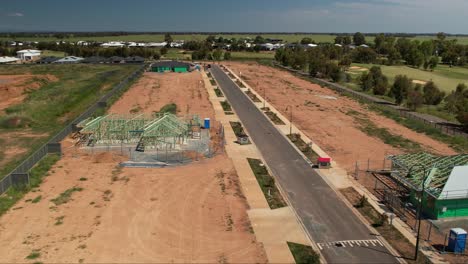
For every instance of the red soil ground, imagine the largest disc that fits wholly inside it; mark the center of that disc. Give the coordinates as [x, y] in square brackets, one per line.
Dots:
[329, 118]
[191, 213]
[13, 87]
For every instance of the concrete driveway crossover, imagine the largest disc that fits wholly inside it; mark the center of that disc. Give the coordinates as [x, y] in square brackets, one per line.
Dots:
[338, 232]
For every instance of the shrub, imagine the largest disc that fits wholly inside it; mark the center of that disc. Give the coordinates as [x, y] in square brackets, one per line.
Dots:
[169, 108]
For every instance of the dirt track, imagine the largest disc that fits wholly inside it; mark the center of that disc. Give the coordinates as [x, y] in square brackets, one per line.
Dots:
[328, 118]
[193, 213]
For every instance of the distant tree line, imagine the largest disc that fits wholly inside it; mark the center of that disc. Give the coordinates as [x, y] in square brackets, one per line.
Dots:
[331, 61]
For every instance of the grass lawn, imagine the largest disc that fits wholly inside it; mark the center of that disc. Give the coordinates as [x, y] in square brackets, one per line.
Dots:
[303, 253]
[52, 53]
[177, 54]
[243, 55]
[267, 184]
[46, 110]
[444, 77]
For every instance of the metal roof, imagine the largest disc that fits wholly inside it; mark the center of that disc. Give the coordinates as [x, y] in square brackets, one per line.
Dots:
[410, 169]
[8, 59]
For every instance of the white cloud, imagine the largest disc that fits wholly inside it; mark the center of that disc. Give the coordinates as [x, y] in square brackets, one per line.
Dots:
[16, 14]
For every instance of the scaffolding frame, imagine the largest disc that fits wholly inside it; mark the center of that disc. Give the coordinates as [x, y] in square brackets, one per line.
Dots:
[145, 130]
[438, 169]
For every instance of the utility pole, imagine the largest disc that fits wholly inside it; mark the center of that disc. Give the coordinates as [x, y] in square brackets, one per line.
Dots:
[425, 175]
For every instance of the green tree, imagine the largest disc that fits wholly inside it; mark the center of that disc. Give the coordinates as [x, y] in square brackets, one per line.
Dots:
[217, 54]
[433, 61]
[456, 100]
[211, 39]
[163, 51]
[359, 38]
[432, 94]
[379, 42]
[374, 80]
[403, 45]
[364, 55]
[400, 88]
[347, 40]
[168, 39]
[345, 62]
[393, 56]
[339, 40]
[415, 98]
[227, 55]
[414, 57]
[305, 41]
[259, 40]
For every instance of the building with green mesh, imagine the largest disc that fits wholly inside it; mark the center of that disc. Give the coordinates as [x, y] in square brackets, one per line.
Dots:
[170, 66]
[446, 185]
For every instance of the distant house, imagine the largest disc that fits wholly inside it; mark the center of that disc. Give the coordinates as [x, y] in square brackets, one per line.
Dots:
[364, 46]
[7, 60]
[82, 43]
[69, 60]
[113, 44]
[28, 55]
[174, 66]
[156, 44]
[134, 59]
[116, 59]
[95, 59]
[48, 60]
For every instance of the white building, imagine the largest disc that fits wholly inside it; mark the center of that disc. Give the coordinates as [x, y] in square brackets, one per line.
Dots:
[6, 60]
[28, 55]
[156, 44]
[69, 59]
[113, 44]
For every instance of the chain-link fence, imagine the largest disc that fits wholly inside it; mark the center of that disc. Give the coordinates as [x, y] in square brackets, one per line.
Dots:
[375, 176]
[19, 175]
[444, 126]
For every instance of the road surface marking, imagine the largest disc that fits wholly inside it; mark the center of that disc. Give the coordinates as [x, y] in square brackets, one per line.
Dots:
[350, 243]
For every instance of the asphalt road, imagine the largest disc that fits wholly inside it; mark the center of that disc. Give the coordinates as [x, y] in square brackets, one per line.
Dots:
[326, 218]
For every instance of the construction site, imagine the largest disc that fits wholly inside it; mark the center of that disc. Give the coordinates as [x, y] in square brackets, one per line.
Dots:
[148, 140]
[154, 182]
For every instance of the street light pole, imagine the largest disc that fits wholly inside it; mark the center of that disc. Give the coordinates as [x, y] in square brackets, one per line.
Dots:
[425, 175]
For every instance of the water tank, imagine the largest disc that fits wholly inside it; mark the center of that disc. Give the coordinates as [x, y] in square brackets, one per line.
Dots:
[206, 124]
[457, 240]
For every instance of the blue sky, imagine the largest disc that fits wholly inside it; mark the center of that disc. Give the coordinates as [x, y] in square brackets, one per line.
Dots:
[419, 16]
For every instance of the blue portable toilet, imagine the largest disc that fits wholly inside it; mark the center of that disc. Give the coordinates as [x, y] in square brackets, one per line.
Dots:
[457, 240]
[206, 124]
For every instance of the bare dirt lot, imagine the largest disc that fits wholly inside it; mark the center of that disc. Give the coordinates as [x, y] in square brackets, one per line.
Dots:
[329, 119]
[13, 88]
[191, 213]
[155, 90]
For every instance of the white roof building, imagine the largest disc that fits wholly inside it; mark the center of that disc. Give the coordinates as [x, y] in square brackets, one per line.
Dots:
[156, 44]
[69, 59]
[113, 44]
[4, 60]
[29, 54]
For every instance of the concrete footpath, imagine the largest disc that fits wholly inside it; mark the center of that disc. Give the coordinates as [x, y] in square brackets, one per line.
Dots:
[338, 178]
[273, 228]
